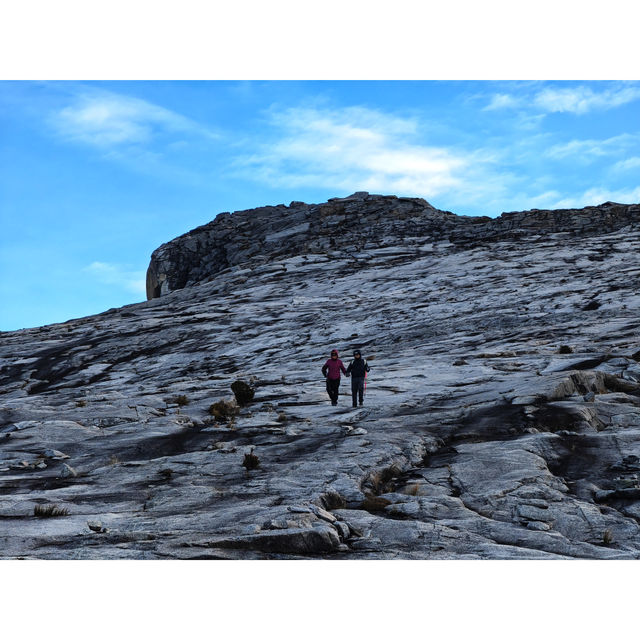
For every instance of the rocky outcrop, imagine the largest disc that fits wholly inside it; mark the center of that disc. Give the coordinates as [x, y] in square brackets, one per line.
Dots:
[501, 417]
[346, 226]
[603, 218]
[349, 224]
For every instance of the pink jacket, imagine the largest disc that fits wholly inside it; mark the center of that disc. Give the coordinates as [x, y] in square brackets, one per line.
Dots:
[331, 368]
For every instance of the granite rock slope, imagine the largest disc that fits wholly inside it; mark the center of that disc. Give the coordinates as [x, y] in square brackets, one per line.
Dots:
[501, 418]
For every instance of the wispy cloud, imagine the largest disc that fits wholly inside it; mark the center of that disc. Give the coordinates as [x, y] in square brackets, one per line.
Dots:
[110, 120]
[503, 101]
[143, 137]
[630, 164]
[354, 148]
[117, 275]
[591, 149]
[582, 99]
[598, 195]
[578, 99]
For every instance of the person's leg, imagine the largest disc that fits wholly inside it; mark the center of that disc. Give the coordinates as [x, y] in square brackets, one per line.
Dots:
[354, 391]
[335, 391]
[361, 390]
[329, 389]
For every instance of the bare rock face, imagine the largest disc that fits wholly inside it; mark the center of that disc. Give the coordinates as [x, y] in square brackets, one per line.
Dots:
[267, 233]
[348, 226]
[501, 417]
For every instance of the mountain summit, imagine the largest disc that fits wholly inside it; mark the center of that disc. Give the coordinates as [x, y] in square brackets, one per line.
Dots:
[501, 417]
[347, 226]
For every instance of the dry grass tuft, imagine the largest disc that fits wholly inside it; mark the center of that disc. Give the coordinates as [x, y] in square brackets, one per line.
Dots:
[250, 461]
[223, 410]
[413, 490]
[374, 503]
[49, 511]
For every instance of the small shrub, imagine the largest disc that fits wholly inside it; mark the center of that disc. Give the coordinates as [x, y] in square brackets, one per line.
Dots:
[250, 461]
[374, 503]
[381, 481]
[81, 403]
[223, 410]
[180, 400]
[607, 537]
[565, 348]
[591, 306]
[49, 511]
[243, 392]
[113, 460]
[282, 417]
[333, 500]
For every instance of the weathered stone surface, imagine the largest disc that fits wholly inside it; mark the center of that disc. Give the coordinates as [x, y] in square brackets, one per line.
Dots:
[96, 525]
[67, 472]
[480, 437]
[349, 226]
[319, 540]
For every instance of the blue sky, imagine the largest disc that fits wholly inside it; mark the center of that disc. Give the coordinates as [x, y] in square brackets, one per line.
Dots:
[96, 175]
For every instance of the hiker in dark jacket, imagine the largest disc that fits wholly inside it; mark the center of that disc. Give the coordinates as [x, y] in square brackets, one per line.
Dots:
[358, 372]
[331, 371]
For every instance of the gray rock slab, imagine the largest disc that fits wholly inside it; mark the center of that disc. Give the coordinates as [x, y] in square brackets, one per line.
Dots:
[478, 437]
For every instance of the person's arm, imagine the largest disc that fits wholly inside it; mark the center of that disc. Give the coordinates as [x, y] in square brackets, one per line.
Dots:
[348, 371]
[366, 366]
[343, 369]
[324, 369]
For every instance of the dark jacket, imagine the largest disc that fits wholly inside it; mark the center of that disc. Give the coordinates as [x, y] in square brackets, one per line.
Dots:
[358, 367]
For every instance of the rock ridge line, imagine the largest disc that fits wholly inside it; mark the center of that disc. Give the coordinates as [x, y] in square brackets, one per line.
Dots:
[348, 226]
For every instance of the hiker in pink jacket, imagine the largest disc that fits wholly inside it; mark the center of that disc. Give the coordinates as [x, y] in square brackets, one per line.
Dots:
[331, 371]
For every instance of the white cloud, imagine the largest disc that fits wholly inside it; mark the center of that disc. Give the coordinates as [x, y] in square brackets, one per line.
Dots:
[355, 149]
[599, 195]
[630, 164]
[582, 148]
[542, 200]
[503, 101]
[590, 149]
[105, 119]
[581, 99]
[118, 276]
[577, 99]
